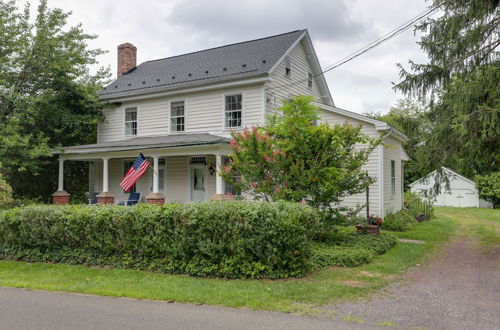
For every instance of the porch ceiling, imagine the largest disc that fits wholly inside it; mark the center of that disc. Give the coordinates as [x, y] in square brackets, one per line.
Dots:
[152, 142]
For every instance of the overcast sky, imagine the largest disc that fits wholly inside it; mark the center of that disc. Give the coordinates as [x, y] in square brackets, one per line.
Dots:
[161, 28]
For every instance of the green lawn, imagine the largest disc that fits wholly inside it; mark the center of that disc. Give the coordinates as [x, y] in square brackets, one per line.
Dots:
[292, 295]
[483, 224]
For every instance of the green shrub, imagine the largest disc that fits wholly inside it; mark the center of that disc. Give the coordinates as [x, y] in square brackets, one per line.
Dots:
[5, 192]
[489, 187]
[415, 204]
[399, 221]
[224, 239]
[350, 249]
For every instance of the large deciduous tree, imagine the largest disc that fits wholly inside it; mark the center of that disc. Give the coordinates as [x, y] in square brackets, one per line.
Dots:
[292, 159]
[460, 84]
[48, 96]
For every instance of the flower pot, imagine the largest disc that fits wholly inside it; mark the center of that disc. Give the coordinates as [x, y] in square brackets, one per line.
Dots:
[368, 229]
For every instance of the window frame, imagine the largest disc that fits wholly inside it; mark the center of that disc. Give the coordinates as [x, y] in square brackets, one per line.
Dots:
[310, 78]
[225, 111]
[125, 121]
[170, 117]
[393, 177]
[288, 66]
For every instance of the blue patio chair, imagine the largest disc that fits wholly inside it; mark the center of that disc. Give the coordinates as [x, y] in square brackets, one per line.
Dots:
[133, 198]
[93, 200]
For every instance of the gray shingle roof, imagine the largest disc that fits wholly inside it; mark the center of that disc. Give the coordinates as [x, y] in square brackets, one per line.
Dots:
[240, 60]
[164, 141]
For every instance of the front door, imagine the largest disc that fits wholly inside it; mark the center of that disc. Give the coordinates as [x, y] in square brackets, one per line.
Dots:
[198, 183]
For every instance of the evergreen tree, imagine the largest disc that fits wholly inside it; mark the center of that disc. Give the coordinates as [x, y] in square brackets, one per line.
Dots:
[460, 85]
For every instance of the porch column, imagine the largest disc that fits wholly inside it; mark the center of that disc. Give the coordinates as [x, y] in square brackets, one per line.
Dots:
[60, 197]
[105, 197]
[155, 197]
[219, 181]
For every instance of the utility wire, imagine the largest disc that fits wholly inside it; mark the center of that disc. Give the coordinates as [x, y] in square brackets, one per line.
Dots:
[398, 30]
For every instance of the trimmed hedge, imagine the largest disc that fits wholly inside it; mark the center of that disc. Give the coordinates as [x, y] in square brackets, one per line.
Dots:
[350, 249]
[399, 221]
[233, 239]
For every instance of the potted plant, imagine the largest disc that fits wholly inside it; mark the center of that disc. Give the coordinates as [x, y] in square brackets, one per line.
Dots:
[372, 227]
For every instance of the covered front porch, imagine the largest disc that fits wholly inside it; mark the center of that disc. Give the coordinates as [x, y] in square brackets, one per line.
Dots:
[185, 168]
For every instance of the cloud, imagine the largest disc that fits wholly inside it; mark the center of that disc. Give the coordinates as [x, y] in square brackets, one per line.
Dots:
[241, 20]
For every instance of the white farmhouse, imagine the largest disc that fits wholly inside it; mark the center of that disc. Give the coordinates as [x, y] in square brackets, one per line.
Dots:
[179, 112]
[462, 191]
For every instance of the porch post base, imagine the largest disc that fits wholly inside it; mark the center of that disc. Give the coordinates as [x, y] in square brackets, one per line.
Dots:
[60, 197]
[221, 197]
[155, 198]
[105, 198]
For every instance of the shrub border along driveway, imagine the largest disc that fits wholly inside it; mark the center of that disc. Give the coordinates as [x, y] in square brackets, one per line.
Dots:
[303, 295]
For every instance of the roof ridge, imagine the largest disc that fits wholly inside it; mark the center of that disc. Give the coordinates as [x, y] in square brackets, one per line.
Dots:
[236, 43]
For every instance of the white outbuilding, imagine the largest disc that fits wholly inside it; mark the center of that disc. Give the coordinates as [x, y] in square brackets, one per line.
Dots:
[462, 191]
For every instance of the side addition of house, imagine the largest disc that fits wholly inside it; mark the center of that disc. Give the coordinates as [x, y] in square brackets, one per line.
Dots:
[179, 112]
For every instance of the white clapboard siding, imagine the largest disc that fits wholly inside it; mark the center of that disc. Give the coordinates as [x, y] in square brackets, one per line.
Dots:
[177, 179]
[300, 67]
[392, 151]
[371, 165]
[204, 112]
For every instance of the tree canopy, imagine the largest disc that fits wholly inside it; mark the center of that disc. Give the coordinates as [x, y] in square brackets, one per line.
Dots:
[459, 85]
[294, 159]
[48, 95]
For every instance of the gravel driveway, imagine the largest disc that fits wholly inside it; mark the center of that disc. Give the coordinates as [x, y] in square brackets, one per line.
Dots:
[459, 289]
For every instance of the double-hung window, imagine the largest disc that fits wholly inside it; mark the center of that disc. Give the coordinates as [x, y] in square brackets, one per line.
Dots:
[233, 111]
[177, 116]
[130, 121]
[393, 177]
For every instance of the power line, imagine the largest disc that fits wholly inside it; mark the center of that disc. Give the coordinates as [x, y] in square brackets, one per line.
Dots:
[398, 30]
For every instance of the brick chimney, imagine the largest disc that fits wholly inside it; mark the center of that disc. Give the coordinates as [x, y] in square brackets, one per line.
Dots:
[127, 58]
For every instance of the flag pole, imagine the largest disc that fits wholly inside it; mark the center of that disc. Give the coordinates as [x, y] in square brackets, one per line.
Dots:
[151, 167]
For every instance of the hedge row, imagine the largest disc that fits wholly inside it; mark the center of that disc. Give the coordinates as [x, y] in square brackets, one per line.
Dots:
[231, 239]
[350, 249]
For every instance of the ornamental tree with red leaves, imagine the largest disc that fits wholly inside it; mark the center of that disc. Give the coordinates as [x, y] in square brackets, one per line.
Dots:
[293, 159]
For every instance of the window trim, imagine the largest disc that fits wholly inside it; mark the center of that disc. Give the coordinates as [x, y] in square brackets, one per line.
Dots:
[125, 121]
[310, 80]
[393, 177]
[170, 116]
[287, 61]
[224, 127]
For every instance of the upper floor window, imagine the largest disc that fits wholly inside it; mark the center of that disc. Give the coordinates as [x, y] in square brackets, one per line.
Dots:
[233, 111]
[177, 117]
[309, 80]
[130, 121]
[393, 177]
[288, 67]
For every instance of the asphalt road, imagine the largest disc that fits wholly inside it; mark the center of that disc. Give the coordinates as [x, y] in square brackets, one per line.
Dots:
[25, 309]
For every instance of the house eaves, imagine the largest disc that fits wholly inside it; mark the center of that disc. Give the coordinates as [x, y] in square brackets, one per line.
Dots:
[379, 125]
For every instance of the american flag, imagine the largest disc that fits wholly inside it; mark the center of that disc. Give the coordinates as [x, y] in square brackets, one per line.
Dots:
[139, 167]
